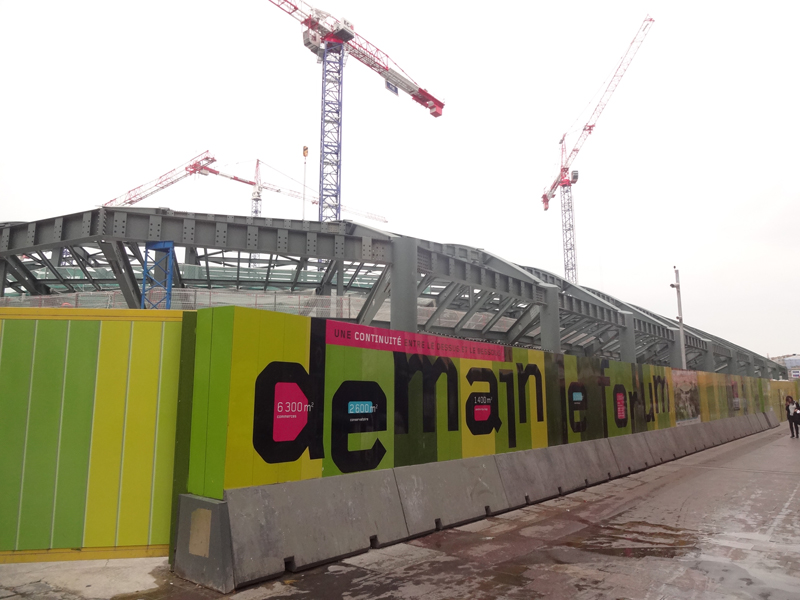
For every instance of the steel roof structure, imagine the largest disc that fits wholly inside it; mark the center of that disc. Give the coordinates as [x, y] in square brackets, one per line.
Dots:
[394, 281]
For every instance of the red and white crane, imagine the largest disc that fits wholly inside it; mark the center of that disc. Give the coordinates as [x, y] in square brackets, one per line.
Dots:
[321, 27]
[199, 165]
[331, 39]
[565, 179]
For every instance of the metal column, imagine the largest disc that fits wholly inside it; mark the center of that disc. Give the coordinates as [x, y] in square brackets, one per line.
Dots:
[709, 363]
[550, 320]
[404, 284]
[676, 351]
[627, 340]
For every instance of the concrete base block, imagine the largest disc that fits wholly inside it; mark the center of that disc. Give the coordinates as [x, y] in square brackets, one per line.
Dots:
[772, 418]
[528, 476]
[747, 425]
[203, 550]
[684, 441]
[724, 429]
[299, 524]
[755, 423]
[730, 430]
[714, 432]
[663, 445]
[631, 452]
[436, 495]
[700, 435]
[762, 419]
[742, 425]
[606, 467]
[573, 469]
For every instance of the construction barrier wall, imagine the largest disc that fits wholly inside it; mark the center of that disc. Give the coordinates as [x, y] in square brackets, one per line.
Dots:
[88, 402]
[281, 398]
[107, 415]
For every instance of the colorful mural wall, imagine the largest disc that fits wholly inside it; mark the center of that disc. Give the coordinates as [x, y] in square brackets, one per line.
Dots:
[88, 402]
[106, 416]
[279, 397]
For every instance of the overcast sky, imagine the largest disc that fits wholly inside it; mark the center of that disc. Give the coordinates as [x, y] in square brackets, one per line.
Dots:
[691, 164]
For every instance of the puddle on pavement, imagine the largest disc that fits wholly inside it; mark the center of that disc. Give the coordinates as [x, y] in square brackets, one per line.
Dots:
[634, 539]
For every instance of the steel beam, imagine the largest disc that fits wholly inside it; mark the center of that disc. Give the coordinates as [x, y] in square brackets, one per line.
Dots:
[483, 297]
[118, 261]
[375, 298]
[525, 323]
[21, 273]
[501, 310]
[450, 293]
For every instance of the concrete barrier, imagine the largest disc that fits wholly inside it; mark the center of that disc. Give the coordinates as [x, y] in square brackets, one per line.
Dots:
[569, 468]
[744, 425]
[203, 545]
[631, 452]
[730, 429]
[714, 432]
[684, 441]
[663, 445]
[436, 495]
[607, 467]
[299, 524]
[755, 423]
[703, 439]
[528, 476]
[749, 427]
[772, 418]
[762, 418]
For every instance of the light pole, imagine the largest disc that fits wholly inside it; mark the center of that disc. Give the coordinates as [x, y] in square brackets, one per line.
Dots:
[677, 286]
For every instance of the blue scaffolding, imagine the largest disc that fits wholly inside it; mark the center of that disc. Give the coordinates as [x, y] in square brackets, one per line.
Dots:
[159, 260]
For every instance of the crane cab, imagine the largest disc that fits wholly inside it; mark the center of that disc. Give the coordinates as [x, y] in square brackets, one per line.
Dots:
[573, 177]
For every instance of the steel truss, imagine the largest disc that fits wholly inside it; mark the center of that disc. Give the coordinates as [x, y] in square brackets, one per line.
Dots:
[460, 291]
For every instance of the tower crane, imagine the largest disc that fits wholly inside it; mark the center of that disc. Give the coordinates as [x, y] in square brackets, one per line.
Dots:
[199, 165]
[565, 180]
[258, 186]
[330, 39]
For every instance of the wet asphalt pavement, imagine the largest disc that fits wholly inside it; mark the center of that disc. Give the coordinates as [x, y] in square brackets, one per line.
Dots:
[723, 523]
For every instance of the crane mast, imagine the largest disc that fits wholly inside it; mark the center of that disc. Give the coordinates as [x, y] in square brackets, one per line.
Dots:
[331, 40]
[565, 180]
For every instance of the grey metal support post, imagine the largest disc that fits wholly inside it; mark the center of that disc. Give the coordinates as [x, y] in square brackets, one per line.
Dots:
[750, 367]
[732, 367]
[709, 363]
[403, 315]
[627, 339]
[675, 351]
[550, 320]
[2, 277]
